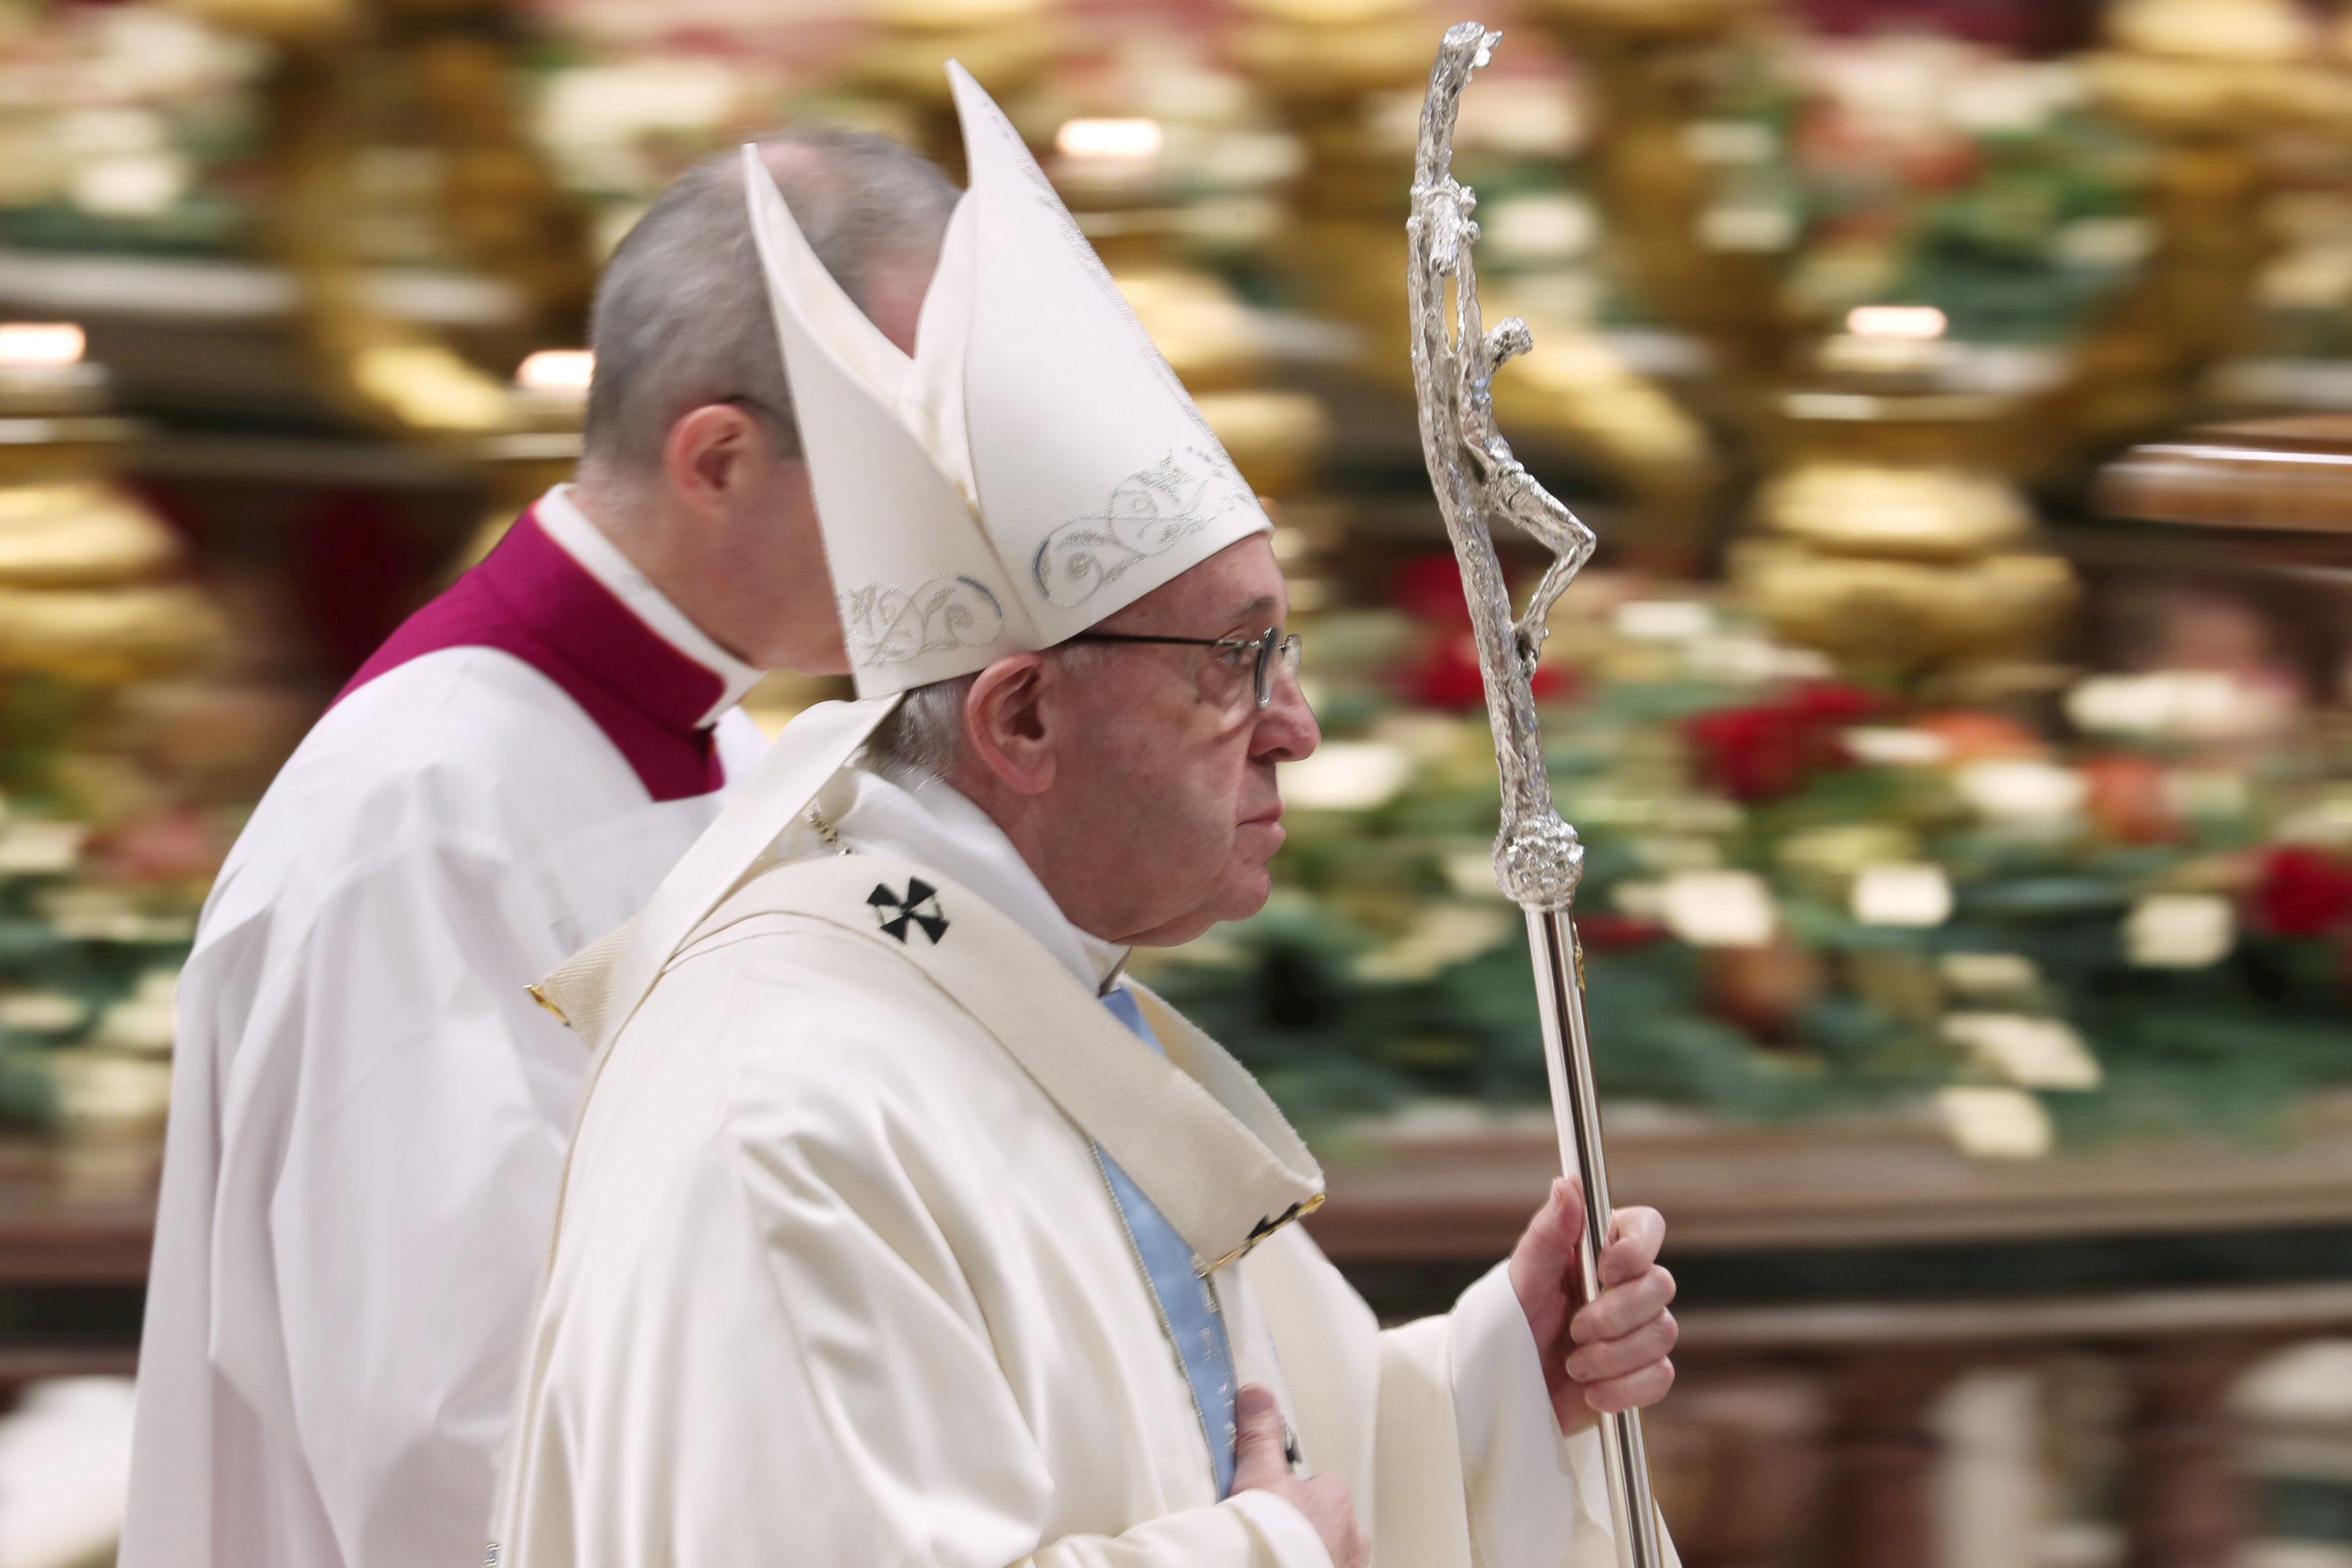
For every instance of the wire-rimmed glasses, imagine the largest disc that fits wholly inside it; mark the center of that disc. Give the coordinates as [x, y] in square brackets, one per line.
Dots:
[1272, 649]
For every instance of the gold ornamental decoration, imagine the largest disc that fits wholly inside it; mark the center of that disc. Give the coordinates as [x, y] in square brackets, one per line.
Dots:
[1121, 200]
[452, 64]
[1005, 44]
[1885, 519]
[1325, 66]
[1887, 527]
[91, 588]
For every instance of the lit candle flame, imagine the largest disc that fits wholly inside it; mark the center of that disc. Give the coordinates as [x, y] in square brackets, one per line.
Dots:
[1134, 139]
[555, 371]
[40, 344]
[1895, 321]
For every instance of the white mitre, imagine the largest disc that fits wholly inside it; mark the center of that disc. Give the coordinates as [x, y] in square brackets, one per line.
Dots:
[1034, 467]
[1031, 468]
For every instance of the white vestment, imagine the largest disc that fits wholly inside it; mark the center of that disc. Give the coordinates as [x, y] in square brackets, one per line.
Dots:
[369, 1115]
[837, 1281]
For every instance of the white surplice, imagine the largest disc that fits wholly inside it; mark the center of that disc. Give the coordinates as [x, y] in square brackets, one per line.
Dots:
[837, 1282]
[369, 1115]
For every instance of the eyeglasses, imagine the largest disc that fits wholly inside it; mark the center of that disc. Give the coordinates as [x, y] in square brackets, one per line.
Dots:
[1267, 651]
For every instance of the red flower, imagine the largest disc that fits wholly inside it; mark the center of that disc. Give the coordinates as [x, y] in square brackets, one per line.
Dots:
[1612, 933]
[1751, 753]
[1771, 749]
[2303, 892]
[1429, 588]
[1445, 673]
[1824, 703]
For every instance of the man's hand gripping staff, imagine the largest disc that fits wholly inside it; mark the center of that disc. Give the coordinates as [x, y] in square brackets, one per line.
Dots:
[1620, 1352]
[1599, 1355]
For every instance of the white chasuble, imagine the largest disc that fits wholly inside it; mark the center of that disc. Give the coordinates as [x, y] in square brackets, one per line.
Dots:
[837, 1281]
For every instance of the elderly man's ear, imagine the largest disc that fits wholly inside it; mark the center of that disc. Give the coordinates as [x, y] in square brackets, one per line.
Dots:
[1005, 723]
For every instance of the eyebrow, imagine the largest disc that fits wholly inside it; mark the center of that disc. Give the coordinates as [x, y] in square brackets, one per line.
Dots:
[1262, 605]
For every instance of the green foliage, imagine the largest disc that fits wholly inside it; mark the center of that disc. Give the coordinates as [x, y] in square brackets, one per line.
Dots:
[37, 713]
[2227, 1049]
[91, 974]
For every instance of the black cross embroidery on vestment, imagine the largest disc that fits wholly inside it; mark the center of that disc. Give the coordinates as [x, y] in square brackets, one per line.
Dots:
[895, 912]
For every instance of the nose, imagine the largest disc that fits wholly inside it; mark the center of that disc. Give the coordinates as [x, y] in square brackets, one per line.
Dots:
[1286, 730]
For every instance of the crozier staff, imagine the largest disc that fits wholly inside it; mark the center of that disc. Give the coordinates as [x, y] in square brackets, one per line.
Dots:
[369, 1115]
[900, 1228]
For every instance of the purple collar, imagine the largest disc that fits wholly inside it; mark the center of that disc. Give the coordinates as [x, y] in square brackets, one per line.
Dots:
[529, 599]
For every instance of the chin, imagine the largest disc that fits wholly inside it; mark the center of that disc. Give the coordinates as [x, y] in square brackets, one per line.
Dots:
[1239, 894]
[1242, 895]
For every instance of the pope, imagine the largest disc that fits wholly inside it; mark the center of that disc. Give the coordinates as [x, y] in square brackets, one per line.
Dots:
[900, 1225]
[369, 1115]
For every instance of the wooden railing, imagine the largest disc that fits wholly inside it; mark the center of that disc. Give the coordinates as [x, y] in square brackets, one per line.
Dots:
[1838, 1279]
[1879, 1368]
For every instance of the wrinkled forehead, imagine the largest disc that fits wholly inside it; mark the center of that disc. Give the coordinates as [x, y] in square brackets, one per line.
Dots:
[1239, 590]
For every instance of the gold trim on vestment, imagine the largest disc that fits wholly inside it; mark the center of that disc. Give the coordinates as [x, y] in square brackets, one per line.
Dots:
[540, 998]
[1267, 1229]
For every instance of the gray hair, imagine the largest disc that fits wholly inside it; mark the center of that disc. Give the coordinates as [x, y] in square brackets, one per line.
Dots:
[682, 318]
[923, 736]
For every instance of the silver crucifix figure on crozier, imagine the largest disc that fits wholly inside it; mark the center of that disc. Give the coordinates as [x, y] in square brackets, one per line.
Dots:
[1537, 860]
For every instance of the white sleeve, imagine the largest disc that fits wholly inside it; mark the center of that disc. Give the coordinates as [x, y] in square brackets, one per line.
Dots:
[1536, 1498]
[1289, 1540]
[391, 1224]
[1273, 1534]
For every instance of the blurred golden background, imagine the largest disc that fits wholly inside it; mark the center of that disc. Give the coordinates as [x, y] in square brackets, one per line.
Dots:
[1959, 711]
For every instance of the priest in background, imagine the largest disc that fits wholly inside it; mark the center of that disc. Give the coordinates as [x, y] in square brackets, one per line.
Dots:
[899, 1226]
[369, 1115]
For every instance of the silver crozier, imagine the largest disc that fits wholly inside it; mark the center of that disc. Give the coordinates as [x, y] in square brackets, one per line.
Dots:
[1536, 858]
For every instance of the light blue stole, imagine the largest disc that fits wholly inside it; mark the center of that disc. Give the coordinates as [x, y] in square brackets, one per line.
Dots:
[1188, 1310]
